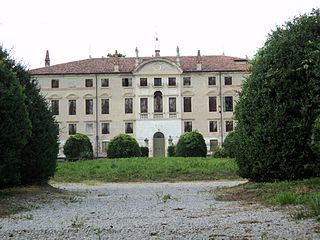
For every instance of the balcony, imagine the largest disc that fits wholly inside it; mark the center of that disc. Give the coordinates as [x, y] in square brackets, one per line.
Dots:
[172, 115]
[144, 116]
[158, 115]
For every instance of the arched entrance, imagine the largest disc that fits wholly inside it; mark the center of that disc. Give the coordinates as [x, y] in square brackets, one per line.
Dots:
[158, 145]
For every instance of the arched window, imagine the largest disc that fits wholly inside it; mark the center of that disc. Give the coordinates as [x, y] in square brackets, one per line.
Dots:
[158, 102]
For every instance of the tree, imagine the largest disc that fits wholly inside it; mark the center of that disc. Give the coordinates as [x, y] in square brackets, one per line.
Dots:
[77, 147]
[123, 146]
[39, 156]
[15, 126]
[191, 144]
[280, 102]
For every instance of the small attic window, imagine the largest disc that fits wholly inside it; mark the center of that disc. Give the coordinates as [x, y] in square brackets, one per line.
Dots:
[89, 83]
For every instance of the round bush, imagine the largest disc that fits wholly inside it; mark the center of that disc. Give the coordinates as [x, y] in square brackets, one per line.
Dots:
[191, 144]
[123, 146]
[78, 146]
[144, 151]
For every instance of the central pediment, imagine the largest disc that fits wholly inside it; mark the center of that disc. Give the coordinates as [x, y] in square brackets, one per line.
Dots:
[157, 66]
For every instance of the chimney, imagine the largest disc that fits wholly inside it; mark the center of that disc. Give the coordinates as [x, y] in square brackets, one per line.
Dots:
[116, 62]
[199, 61]
[178, 56]
[47, 60]
[137, 57]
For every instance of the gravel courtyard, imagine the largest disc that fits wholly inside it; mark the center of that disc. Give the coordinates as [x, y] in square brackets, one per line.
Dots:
[184, 210]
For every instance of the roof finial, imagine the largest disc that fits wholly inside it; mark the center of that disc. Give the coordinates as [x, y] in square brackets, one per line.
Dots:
[47, 60]
[157, 47]
[137, 52]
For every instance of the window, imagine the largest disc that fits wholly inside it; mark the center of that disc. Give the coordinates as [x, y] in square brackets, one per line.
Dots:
[172, 81]
[128, 108]
[143, 105]
[158, 102]
[212, 104]
[172, 105]
[104, 146]
[187, 126]
[143, 82]
[211, 81]
[186, 81]
[55, 107]
[105, 128]
[229, 126]
[187, 104]
[126, 82]
[157, 82]
[104, 82]
[89, 106]
[104, 106]
[213, 126]
[72, 107]
[227, 80]
[89, 128]
[55, 83]
[129, 127]
[213, 144]
[89, 82]
[72, 128]
[228, 104]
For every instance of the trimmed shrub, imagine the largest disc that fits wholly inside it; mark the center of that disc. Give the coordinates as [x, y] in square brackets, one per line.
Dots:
[123, 146]
[144, 151]
[172, 151]
[218, 152]
[78, 147]
[191, 144]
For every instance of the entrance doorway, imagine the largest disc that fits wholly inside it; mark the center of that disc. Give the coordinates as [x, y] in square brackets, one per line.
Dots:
[158, 145]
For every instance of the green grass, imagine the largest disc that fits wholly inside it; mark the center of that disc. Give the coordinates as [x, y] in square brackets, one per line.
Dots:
[146, 169]
[303, 193]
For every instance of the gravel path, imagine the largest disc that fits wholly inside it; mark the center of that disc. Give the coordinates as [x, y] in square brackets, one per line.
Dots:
[152, 211]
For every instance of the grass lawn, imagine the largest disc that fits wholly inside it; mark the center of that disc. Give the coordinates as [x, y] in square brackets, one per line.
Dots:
[301, 197]
[146, 169]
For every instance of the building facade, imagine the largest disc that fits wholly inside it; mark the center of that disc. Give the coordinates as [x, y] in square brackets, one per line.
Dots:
[154, 99]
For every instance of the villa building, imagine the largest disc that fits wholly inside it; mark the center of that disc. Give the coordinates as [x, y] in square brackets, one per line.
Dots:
[154, 99]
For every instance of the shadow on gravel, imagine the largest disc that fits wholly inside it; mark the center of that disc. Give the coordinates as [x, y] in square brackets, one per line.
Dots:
[26, 198]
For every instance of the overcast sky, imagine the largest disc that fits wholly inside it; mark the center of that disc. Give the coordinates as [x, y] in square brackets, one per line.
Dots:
[74, 29]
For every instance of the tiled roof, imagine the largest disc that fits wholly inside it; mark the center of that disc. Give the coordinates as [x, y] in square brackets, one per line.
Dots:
[127, 65]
